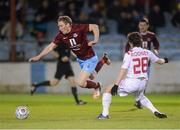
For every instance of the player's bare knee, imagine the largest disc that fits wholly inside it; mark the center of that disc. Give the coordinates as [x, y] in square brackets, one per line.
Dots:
[54, 82]
[72, 83]
[81, 84]
[108, 90]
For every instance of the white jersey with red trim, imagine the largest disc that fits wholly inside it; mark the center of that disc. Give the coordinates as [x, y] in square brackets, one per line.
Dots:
[136, 62]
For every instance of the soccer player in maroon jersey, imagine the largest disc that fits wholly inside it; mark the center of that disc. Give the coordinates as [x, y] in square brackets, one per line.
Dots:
[149, 38]
[149, 42]
[74, 36]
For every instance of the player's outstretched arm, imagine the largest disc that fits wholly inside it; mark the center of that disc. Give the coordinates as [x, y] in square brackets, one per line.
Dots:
[44, 52]
[162, 61]
[121, 76]
[95, 29]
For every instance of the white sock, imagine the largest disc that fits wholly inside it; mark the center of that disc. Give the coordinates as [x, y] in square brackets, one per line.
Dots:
[106, 101]
[147, 103]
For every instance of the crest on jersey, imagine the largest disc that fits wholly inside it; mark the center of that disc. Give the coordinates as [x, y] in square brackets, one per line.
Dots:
[75, 35]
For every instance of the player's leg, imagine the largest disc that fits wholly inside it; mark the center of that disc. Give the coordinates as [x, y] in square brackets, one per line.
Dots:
[123, 90]
[138, 103]
[69, 75]
[74, 91]
[104, 60]
[146, 102]
[87, 67]
[84, 82]
[46, 83]
[106, 102]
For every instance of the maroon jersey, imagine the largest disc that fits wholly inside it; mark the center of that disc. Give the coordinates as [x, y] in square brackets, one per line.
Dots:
[149, 40]
[76, 40]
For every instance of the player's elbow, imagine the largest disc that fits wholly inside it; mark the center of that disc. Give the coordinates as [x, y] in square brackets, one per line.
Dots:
[96, 26]
[93, 27]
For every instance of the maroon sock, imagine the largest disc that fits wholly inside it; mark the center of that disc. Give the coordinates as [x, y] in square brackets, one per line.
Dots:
[99, 65]
[92, 84]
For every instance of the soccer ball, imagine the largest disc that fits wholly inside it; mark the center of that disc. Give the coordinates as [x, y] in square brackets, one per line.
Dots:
[22, 112]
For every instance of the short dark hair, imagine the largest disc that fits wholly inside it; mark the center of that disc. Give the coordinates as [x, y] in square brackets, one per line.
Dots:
[135, 39]
[65, 19]
[145, 20]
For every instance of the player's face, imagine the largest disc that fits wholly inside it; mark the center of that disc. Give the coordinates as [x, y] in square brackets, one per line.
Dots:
[143, 27]
[64, 27]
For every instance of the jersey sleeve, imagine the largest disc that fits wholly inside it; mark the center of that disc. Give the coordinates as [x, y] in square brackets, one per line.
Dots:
[84, 27]
[126, 61]
[155, 42]
[153, 57]
[57, 39]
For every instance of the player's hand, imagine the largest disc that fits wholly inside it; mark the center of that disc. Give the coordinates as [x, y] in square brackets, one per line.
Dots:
[114, 90]
[91, 43]
[34, 59]
[65, 59]
[166, 60]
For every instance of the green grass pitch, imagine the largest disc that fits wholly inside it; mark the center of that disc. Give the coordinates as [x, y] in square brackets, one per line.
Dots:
[60, 112]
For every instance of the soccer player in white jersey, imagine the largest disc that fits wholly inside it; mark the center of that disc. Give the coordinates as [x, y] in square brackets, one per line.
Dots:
[133, 77]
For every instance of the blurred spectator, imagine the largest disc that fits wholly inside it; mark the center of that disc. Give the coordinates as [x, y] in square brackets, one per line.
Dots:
[20, 11]
[97, 17]
[29, 16]
[134, 6]
[72, 11]
[113, 10]
[176, 17]
[125, 23]
[156, 17]
[42, 17]
[102, 7]
[83, 18]
[127, 13]
[86, 8]
[145, 5]
[136, 12]
[60, 8]
[165, 5]
[4, 11]
[126, 19]
[6, 30]
[103, 26]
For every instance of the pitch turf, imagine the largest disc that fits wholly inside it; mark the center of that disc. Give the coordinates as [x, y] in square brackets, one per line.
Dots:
[60, 112]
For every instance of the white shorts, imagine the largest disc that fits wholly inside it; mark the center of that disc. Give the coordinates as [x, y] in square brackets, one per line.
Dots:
[130, 85]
